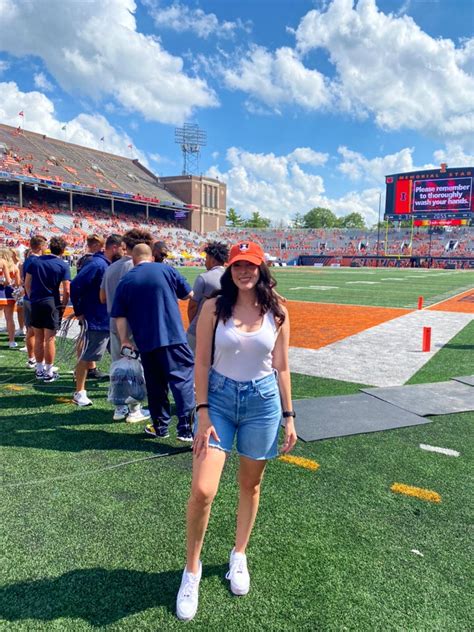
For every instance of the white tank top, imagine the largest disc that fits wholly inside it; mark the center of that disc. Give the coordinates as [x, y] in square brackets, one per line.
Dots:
[245, 356]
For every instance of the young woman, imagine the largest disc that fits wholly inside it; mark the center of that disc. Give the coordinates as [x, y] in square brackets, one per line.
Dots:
[9, 279]
[242, 389]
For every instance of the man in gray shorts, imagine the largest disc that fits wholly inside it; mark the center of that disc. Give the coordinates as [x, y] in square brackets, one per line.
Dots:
[85, 289]
[205, 284]
[109, 284]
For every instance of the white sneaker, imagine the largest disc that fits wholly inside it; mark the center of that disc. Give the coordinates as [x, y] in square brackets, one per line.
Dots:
[188, 595]
[31, 363]
[12, 345]
[23, 349]
[135, 416]
[120, 413]
[80, 398]
[20, 333]
[238, 573]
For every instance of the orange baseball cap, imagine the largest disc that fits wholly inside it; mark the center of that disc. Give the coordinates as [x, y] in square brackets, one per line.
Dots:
[246, 251]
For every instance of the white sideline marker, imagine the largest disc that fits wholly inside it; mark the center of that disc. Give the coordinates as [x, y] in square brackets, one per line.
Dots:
[432, 448]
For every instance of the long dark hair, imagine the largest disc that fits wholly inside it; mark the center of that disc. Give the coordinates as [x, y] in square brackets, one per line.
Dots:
[266, 297]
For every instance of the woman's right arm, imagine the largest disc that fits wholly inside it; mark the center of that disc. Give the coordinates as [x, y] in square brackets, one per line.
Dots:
[204, 336]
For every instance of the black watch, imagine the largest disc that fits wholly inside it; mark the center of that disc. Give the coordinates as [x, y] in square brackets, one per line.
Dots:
[289, 413]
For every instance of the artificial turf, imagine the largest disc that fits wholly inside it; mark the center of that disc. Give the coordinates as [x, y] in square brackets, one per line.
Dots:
[93, 518]
[85, 547]
[381, 287]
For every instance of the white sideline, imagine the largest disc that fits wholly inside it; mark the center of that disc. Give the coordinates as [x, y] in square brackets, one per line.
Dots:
[446, 451]
[385, 355]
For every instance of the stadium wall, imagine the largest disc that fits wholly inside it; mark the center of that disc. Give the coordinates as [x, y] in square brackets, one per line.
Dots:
[207, 195]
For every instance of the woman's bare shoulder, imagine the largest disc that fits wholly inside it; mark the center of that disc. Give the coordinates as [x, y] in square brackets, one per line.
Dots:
[209, 306]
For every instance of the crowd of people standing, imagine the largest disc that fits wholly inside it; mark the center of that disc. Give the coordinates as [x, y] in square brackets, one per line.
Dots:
[229, 373]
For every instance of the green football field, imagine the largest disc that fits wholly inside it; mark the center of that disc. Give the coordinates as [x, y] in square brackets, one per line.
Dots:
[93, 524]
[383, 287]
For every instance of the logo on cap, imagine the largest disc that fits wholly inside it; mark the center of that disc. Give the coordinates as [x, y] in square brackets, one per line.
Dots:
[243, 247]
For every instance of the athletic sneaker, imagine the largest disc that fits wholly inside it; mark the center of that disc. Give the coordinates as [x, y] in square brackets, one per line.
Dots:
[20, 333]
[238, 573]
[31, 363]
[120, 413]
[80, 398]
[188, 595]
[160, 433]
[51, 377]
[40, 374]
[97, 374]
[141, 414]
[185, 435]
[13, 345]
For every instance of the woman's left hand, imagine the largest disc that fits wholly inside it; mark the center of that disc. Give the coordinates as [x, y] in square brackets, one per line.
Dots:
[290, 437]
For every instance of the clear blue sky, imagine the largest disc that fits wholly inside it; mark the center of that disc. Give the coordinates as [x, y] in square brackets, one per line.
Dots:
[304, 102]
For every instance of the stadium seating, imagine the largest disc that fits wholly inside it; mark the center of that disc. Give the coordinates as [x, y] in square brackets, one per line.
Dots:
[30, 154]
[286, 245]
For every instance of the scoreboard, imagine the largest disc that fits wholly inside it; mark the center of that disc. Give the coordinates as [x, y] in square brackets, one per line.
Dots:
[443, 196]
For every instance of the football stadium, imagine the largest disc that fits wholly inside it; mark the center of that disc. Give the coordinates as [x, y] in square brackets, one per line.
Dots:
[367, 515]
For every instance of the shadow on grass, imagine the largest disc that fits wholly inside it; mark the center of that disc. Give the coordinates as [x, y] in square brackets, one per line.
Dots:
[96, 595]
[77, 440]
[31, 418]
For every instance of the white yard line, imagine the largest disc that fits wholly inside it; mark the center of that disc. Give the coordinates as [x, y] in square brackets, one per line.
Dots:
[432, 448]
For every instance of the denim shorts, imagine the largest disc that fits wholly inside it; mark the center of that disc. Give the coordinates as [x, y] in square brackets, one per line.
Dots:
[249, 410]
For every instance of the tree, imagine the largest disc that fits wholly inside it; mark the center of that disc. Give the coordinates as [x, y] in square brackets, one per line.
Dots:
[320, 217]
[257, 221]
[233, 218]
[353, 220]
[297, 221]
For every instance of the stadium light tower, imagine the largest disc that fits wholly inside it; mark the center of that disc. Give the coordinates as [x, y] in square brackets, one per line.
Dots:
[191, 138]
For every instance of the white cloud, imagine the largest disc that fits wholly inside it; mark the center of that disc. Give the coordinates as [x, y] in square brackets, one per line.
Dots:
[384, 66]
[388, 67]
[307, 156]
[357, 167]
[42, 83]
[181, 18]
[4, 66]
[84, 129]
[277, 78]
[454, 156]
[96, 51]
[278, 187]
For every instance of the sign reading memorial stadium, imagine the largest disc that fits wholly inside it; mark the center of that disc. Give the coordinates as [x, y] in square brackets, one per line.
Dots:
[444, 195]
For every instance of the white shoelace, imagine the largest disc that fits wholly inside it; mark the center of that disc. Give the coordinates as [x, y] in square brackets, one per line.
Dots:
[237, 566]
[191, 585]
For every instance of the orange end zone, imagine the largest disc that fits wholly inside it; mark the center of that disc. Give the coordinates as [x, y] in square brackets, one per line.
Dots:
[461, 303]
[315, 325]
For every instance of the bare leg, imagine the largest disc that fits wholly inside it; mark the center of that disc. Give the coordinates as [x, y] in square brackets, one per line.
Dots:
[81, 374]
[30, 341]
[9, 309]
[250, 477]
[39, 344]
[207, 470]
[20, 316]
[49, 346]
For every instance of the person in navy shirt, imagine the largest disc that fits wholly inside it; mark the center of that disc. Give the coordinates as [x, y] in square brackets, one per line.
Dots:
[38, 245]
[45, 276]
[85, 297]
[147, 297]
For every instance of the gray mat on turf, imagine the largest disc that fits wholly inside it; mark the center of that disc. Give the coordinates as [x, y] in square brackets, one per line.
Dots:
[465, 379]
[440, 398]
[329, 417]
